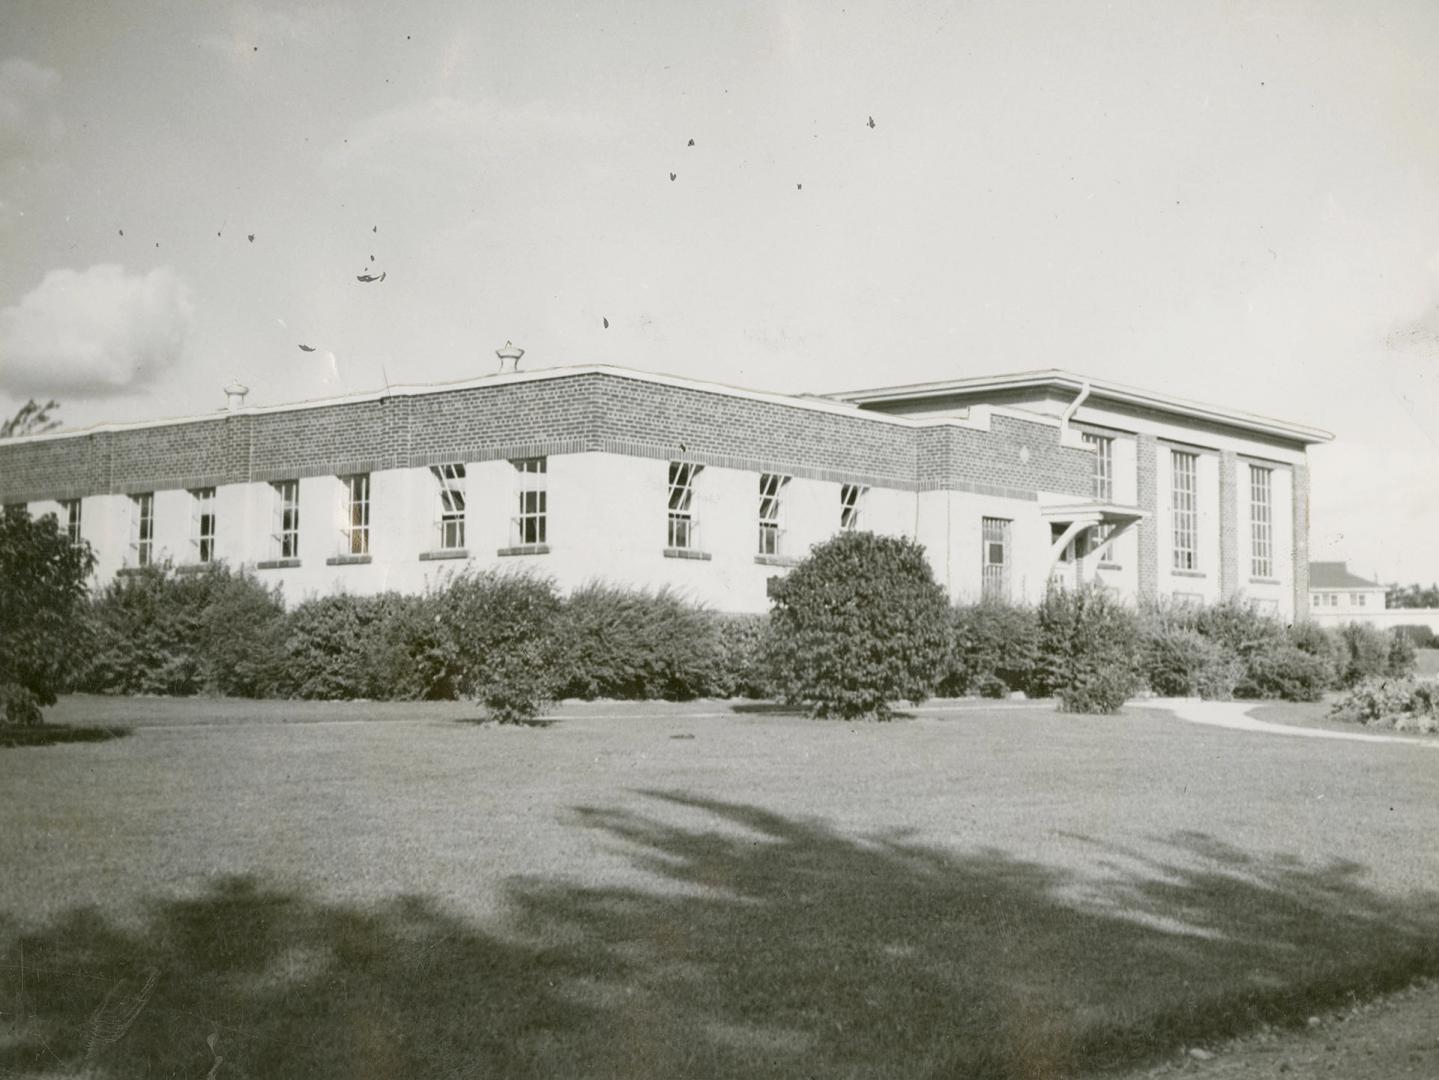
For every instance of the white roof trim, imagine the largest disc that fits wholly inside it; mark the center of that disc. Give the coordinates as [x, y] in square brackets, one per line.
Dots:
[1102, 388]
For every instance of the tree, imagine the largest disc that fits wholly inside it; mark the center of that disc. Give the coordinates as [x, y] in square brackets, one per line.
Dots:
[1413, 596]
[859, 624]
[32, 419]
[42, 611]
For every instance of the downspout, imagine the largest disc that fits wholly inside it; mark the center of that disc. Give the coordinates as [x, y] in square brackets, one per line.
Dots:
[1072, 408]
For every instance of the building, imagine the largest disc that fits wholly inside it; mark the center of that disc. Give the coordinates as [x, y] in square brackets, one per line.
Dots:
[1334, 591]
[594, 472]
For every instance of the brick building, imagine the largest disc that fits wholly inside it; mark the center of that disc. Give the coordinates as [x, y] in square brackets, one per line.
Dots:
[603, 473]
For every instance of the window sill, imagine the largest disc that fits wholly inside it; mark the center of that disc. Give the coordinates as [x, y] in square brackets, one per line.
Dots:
[347, 560]
[1265, 581]
[1188, 573]
[777, 560]
[445, 553]
[193, 567]
[131, 571]
[1111, 566]
[525, 549]
[687, 553]
[277, 564]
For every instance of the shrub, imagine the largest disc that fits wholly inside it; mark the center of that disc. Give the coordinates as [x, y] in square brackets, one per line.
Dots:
[625, 643]
[495, 638]
[743, 668]
[858, 624]
[1179, 662]
[1365, 652]
[1287, 673]
[159, 630]
[42, 612]
[995, 649]
[345, 647]
[1403, 704]
[1087, 643]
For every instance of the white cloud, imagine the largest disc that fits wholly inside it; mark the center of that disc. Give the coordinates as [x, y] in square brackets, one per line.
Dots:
[94, 333]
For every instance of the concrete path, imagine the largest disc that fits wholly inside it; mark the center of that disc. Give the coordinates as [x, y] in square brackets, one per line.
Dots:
[1235, 715]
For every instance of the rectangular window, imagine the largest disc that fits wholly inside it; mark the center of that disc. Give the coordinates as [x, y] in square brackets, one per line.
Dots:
[202, 525]
[1103, 491]
[1261, 522]
[71, 508]
[683, 528]
[1183, 502]
[142, 528]
[451, 523]
[355, 514]
[851, 502]
[286, 532]
[529, 523]
[994, 577]
[771, 502]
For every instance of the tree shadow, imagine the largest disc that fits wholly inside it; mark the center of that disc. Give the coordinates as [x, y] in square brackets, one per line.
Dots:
[762, 946]
[56, 734]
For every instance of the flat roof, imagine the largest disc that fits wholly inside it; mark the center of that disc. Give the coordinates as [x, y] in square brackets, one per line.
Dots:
[1059, 378]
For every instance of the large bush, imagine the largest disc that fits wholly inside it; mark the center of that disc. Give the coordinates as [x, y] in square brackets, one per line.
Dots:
[1419, 635]
[1180, 662]
[42, 612]
[1366, 652]
[743, 669]
[347, 647]
[1087, 644]
[1402, 704]
[625, 643]
[995, 649]
[859, 624]
[494, 638]
[159, 630]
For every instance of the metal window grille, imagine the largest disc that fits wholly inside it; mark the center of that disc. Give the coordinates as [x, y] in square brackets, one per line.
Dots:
[994, 576]
[771, 502]
[682, 524]
[529, 525]
[72, 519]
[1183, 503]
[451, 524]
[1261, 521]
[202, 524]
[851, 501]
[1103, 490]
[286, 533]
[142, 528]
[355, 522]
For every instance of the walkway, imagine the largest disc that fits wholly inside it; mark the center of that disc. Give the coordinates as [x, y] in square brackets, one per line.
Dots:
[1235, 714]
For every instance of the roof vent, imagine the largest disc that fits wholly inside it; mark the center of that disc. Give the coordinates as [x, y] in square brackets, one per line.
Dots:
[235, 395]
[509, 357]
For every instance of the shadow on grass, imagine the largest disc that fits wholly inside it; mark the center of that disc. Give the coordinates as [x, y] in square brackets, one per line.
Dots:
[768, 946]
[772, 708]
[52, 734]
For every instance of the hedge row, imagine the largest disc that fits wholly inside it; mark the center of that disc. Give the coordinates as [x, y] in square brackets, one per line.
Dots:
[217, 631]
[1220, 651]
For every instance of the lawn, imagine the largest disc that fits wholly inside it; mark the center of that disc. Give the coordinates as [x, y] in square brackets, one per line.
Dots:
[689, 891]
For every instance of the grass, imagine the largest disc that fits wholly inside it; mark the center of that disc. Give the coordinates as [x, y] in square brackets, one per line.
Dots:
[979, 891]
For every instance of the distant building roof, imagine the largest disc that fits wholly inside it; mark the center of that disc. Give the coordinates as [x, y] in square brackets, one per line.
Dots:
[1336, 575]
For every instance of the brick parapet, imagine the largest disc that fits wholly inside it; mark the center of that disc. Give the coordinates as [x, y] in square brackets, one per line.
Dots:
[1147, 489]
[1229, 580]
[586, 411]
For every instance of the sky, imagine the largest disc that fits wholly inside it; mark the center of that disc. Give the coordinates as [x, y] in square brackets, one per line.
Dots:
[1232, 202]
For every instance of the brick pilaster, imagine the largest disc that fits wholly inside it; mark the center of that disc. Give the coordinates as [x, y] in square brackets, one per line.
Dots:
[1228, 524]
[1301, 542]
[1147, 463]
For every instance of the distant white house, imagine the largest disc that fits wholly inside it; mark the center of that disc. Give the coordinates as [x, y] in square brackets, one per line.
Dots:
[1333, 590]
